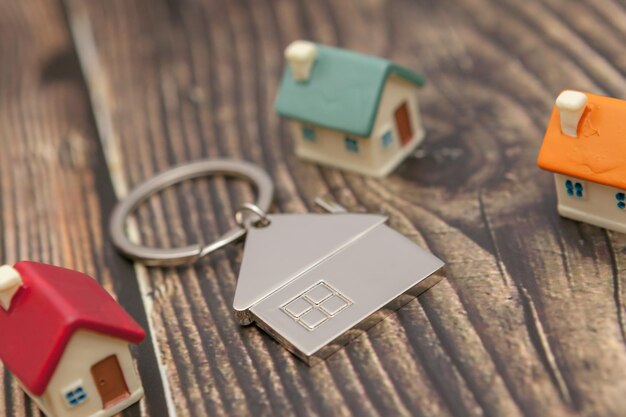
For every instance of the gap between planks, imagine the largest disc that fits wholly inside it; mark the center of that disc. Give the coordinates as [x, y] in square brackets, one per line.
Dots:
[97, 88]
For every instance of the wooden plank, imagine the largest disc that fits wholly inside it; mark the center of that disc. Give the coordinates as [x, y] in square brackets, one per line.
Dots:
[528, 321]
[56, 190]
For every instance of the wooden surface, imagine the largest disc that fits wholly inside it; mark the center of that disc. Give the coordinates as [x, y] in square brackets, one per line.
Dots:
[97, 96]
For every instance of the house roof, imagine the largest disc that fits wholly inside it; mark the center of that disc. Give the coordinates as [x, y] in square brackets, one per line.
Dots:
[292, 245]
[598, 154]
[343, 91]
[51, 305]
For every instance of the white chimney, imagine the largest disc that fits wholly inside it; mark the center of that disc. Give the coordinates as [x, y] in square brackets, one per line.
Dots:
[301, 56]
[10, 283]
[571, 105]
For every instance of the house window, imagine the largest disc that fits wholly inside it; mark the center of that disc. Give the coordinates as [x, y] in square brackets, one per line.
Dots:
[387, 138]
[308, 133]
[574, 189]
[352, 145]
[75, 396]
[621, 200]
[317, 305]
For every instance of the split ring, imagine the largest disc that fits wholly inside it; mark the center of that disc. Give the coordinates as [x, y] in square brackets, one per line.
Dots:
[191, 253]
[241, 220]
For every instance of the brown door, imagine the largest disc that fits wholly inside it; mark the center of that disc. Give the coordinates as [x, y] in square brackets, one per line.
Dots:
[110, 381]
[403, 123]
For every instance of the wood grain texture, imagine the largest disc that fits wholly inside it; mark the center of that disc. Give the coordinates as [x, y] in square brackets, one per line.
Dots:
[56, 190]
[529, 320]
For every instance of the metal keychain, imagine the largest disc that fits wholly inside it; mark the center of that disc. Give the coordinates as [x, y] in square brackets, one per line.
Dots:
[309, 280]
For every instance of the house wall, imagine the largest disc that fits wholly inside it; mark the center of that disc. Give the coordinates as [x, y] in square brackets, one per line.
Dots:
[598, 206]
[373, 158]
[396, 92]
[329, 147]
[84, 350]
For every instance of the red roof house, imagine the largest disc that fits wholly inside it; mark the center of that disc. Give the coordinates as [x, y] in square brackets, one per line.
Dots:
[66, 340]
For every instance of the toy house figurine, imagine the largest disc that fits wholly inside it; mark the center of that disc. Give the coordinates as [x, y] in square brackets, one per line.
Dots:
[67, 341]
[350, 110]
[584, 147]
[313, 280]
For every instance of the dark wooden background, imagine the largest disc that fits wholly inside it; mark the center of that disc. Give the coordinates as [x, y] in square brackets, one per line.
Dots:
[96, 96]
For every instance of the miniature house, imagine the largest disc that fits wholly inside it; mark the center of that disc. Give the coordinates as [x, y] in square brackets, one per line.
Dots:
[314, 280]
[584, 147]
[66, 341]
[353, 111]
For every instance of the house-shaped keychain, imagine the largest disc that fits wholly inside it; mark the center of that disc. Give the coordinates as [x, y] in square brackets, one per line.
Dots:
[310, 280]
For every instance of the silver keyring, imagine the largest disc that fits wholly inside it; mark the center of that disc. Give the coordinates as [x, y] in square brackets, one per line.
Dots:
[187, 254]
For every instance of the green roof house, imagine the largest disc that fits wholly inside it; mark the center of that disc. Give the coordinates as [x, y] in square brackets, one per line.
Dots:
[353, 111]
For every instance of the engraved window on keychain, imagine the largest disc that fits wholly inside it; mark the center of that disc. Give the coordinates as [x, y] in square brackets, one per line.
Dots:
[316, 305]
[306, 279]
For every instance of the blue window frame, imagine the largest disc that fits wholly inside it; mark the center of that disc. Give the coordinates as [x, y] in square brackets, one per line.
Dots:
[387, 138]
[352, 145]
[621, 200]
[76, 397]
[308, 133]
[574, 189]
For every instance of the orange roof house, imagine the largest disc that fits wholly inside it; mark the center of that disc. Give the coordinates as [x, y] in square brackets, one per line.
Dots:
[585, 147]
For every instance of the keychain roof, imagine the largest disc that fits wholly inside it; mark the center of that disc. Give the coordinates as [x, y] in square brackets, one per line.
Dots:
[278, 256]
